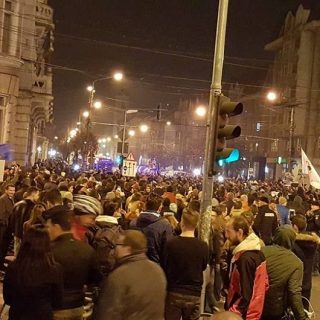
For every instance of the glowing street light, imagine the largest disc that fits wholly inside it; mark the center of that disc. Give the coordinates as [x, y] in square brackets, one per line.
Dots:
[108, 139]
[39, 149]
[118, 76]
[90, 88]
[168, 123]
[104, 140]
[116, 136]
[144, 128]
[56, 138]
[97, 104]
[78, 123]
[131, 133]
[201, 111]
[73, 133]
[272, 96]
[86, 114]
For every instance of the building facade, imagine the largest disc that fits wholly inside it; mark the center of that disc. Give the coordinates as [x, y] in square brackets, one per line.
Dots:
[296, 76]
[26, 101]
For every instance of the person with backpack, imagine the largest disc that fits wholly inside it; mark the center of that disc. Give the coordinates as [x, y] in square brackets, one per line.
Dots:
[102, 237]
[136, 289]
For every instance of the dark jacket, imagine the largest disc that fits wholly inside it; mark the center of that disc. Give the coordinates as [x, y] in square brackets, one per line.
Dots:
[135, 290]
[157, 230]
[249, 280]
[79, 266]
[305, 248]
[20, 214]
[285, 271]
[6, 207]
[265, 224]
[33, 302]
[313, 222]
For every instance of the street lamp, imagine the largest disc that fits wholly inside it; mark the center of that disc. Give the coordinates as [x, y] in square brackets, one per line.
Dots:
[168, 123]
[272, 96]
[144, 128]
[90, 88]
[118, 76]
[116, 136]
[56, 138]
[86, 114]
[73, 133]
[97, 104]
[131, 133]
[201, 111]
[108, 139]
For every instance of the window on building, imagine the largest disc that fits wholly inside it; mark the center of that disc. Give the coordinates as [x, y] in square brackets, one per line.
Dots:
[258, 126]
[274, 146]
[7, 27]
[2, 118]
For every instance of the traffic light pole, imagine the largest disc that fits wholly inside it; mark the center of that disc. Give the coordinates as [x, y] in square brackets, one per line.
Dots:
[212, 120]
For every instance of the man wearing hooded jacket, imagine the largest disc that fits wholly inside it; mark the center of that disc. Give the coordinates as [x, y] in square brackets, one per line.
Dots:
[285, 271]
[249, 279]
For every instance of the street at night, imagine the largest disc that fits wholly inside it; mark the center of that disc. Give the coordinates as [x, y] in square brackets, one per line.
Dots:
[159, 160]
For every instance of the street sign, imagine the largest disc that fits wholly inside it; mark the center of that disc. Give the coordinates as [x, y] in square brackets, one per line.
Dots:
[129, 168]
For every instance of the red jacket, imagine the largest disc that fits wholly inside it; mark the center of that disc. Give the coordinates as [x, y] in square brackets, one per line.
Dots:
[248, 284]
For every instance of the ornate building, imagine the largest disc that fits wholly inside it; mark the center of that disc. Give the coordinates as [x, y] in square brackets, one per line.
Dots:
[26, 37]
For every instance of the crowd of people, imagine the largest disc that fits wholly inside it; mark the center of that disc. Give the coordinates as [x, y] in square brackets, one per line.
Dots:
[132, 245]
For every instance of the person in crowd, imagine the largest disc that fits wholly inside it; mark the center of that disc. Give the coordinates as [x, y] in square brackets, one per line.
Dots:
[78, 262]
[245, 203]
[33, 284]
[313, 225]
[157, 230]
[85, 209]
[36, 217]
[170, 195]
[21, 213]
[266, 221]
[121, 296]
[305, 248]
[283, 211]
[285, 271]
[6, 208]
[184, 260]
[237, 208]
[134, 206]
[229, 202]
[51, 199]
[248, 272]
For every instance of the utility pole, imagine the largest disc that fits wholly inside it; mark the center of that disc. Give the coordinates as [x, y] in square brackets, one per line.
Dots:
[291, 136]
[124, 132]
[212, 119]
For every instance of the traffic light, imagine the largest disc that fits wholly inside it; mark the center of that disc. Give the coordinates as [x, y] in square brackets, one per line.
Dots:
[226, 131]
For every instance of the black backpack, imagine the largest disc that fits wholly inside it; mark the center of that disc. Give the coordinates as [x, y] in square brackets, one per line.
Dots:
[104, 243]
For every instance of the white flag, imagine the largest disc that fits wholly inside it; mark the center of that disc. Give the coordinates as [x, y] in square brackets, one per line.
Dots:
[307, 168]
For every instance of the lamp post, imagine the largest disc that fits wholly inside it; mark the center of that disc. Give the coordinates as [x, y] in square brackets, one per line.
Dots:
[273, 96]
[125, 127]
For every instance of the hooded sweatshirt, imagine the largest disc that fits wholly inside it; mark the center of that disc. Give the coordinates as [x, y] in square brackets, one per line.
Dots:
[285, 271]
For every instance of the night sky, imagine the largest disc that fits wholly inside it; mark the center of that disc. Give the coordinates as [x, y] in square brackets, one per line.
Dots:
[97, 37]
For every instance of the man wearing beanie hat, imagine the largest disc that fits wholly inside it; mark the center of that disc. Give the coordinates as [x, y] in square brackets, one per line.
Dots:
[266, 221]
[285, 271]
